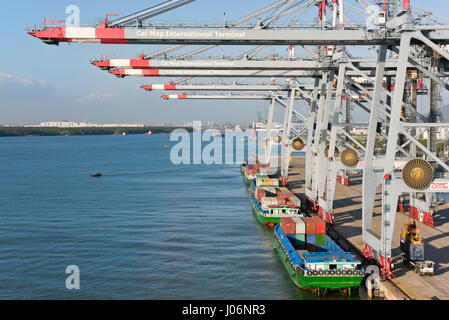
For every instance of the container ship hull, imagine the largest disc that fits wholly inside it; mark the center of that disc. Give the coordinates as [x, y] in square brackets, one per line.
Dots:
[321, 281]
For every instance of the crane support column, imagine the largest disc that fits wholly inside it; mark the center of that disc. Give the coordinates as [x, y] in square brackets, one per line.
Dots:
[371, 177]
[326, 210]
[286, 144]
[268, 139]
[311, 127]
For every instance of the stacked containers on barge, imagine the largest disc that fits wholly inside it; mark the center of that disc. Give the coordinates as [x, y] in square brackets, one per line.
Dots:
[315, 230]
[251, 171]
[294, 228]
[315, 264]
[269, 206]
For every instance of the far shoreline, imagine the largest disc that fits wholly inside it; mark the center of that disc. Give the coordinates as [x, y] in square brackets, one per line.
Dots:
[83, 131]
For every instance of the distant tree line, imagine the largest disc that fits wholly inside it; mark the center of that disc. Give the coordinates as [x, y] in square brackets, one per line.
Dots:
[40, 131]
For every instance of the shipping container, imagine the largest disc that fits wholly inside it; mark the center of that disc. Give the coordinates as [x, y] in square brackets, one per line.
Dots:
[298, 244]
[310, 225]
[269, 201]
[288, 225]
[260, 194]
[300, 226]
[315, 225]
[300, 240]
[311, 239]
[320, 240]
[320, 225]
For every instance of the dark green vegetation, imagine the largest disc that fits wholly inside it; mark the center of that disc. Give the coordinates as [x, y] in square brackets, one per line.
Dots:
[27, 131]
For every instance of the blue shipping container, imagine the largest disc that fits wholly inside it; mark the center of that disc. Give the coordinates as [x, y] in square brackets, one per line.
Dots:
[311, 239]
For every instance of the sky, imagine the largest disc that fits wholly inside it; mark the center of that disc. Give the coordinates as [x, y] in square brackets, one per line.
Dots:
[48, 83]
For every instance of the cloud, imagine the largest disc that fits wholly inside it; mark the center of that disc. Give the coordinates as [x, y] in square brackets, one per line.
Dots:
[99, 96]
[6, 77]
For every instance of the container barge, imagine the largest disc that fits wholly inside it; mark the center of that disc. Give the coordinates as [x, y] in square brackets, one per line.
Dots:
[270, 203]
[313, 260]
[252, 171]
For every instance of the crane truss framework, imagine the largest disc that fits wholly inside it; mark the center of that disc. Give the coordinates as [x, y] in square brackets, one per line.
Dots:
[388, 177]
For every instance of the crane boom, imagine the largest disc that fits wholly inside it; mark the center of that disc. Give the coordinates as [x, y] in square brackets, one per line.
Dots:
[103, 35]
[234, 64]
[121, 73]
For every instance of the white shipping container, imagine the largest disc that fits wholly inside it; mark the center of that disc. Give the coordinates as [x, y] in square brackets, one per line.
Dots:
[300, 226]
[269, 201]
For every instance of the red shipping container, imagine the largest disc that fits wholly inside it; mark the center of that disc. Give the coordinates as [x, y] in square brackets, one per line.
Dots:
[260, 194]
[288, 225]
[320, 226]
[315, 225]
[310, 225]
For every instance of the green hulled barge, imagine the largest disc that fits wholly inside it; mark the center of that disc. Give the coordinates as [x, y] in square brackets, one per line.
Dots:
[252, 171]
[270, 203]
[317, 267]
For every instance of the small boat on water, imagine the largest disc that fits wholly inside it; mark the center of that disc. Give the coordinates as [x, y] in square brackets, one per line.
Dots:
[149, 133]
[313, 260]
[124, 134]
[96, 175]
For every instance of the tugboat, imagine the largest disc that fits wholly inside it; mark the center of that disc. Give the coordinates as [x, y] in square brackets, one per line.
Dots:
[313, 260]
[149, 133]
